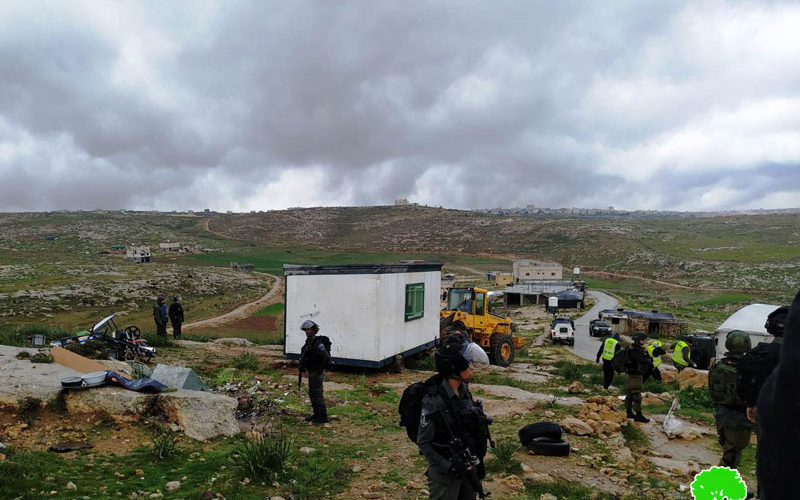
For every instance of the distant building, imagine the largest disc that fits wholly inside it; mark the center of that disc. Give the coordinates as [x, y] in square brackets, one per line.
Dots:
[170, 247]
[117, 247]
[401, 201]
[653, 323]
[247, 268]
[139, 255]
[527, 269]
[500, 278]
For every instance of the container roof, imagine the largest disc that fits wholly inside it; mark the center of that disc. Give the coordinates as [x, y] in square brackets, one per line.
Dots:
[300, 270]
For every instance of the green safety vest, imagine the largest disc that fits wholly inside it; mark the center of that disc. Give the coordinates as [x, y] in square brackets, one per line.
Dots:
[677, 354]
[656, 359]
[609, 348]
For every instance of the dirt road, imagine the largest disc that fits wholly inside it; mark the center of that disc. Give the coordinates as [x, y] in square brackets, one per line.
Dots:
[244, 310]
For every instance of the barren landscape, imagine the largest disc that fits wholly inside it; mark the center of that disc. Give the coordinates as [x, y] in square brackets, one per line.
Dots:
[700, 269]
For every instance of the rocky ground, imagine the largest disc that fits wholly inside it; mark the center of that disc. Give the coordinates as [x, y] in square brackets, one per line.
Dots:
[610, 455]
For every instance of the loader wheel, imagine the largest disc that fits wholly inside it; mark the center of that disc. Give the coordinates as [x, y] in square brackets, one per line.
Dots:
[502, 351]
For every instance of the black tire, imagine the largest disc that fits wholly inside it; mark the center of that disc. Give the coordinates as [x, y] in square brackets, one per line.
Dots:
[502, 350]
[540, 429]
[549, 447]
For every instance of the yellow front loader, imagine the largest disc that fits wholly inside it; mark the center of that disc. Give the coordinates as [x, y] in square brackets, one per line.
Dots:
[467, 310]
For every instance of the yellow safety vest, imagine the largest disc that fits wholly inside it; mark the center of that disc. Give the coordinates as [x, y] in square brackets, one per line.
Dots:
[656, 359]
[609, 348]
[677, 354]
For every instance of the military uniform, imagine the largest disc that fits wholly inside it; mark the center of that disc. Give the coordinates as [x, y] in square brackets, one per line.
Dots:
[637, 364]
[314, 358]
[445, 411]
[160, 317]
[176, 317]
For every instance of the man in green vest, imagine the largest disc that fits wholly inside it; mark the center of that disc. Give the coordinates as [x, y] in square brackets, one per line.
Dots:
[656, 351]
[638, 364]
[608, 348]
[682, 355]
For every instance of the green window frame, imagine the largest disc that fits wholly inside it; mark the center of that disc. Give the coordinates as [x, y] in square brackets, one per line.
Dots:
[415, 301]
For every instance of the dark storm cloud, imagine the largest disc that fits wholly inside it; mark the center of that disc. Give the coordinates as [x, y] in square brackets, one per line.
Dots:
[235, 105]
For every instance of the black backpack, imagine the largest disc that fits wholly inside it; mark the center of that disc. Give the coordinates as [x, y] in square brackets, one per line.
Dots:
[753, 370]
[620, 360]
[410, 408]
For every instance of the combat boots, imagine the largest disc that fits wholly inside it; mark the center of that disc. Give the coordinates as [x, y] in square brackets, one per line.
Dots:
[630, 413]
[640, 418]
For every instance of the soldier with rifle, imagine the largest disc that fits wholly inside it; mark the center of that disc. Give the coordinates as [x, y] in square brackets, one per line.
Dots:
[453, 429]
[315, 356]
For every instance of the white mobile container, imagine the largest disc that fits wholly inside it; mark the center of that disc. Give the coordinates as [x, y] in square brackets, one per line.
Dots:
[371, 313]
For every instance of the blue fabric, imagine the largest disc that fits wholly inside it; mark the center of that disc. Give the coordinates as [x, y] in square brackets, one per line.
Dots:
[138, 385]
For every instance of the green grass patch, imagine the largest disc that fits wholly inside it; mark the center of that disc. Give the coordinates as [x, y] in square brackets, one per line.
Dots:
[270, 310]
[18, 335]
[571, 371]
[563, 489]
[246, 361]
[635, 438]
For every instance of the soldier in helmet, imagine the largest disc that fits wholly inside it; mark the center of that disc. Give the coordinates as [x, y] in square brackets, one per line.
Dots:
[638, 365]
[315, 356]
[730, 410]
[448, 412]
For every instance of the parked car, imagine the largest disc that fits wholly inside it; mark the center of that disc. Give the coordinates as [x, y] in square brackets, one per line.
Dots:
[599, 328]
[562, 331]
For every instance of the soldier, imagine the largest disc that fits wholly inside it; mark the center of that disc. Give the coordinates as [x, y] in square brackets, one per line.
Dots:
[176, 316]
[453, 426]
[637, 365]
[682, 355]
[315, 357]
[733, 427]
[608, 348]
[656, 351]
[160, 316]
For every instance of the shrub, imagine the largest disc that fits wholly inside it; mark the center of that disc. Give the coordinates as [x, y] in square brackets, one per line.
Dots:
[157, 340]
[196, 338]
[165, 443]
[42, 357]
[264, 457]
[504, 455]
[694, 398]
[246, 361]
[570, 371]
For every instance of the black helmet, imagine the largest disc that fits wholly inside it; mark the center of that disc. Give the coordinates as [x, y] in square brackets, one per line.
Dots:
[309, 325]
[456, 354]
[776, 321]
[639, 336]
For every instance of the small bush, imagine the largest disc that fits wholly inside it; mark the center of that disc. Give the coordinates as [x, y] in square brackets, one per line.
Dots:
[246, 361]
[634, 436]
[42, 357]
[23, 355]
[227, 375]
[504, 456]
[694, 398]
[157, 340]
[165, 444]
[264, 457]
[92, 349]
[29, 409]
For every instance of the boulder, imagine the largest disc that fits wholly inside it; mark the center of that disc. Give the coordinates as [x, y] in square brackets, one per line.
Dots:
[120, 404]
[576, 426]
[201, 415]
[648, 398]
[178, 377]
[668, 373]
[575, 387]
[23, 379]
[234, 341]
[691, 377]
[510, 483]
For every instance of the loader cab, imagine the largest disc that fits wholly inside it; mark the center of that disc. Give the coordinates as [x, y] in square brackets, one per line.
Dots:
[468, 300]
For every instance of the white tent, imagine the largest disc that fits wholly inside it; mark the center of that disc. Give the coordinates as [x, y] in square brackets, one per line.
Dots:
[750, 319]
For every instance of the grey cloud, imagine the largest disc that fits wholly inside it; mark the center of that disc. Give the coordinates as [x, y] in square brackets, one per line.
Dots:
[524, 100]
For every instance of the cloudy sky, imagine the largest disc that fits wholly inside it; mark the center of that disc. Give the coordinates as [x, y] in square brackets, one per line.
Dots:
[257, 105]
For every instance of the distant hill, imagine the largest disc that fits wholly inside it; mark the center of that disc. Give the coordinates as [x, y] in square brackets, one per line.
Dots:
[737, 252]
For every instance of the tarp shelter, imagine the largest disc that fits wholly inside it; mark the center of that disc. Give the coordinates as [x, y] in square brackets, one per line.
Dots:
[750, 319]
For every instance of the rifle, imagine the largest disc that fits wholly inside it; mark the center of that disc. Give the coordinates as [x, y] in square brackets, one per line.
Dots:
[300, 375]
[467, 458]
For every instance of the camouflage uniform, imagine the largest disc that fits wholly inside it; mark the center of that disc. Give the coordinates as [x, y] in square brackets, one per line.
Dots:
[314, 358]
[638, 364]
[733, 427]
